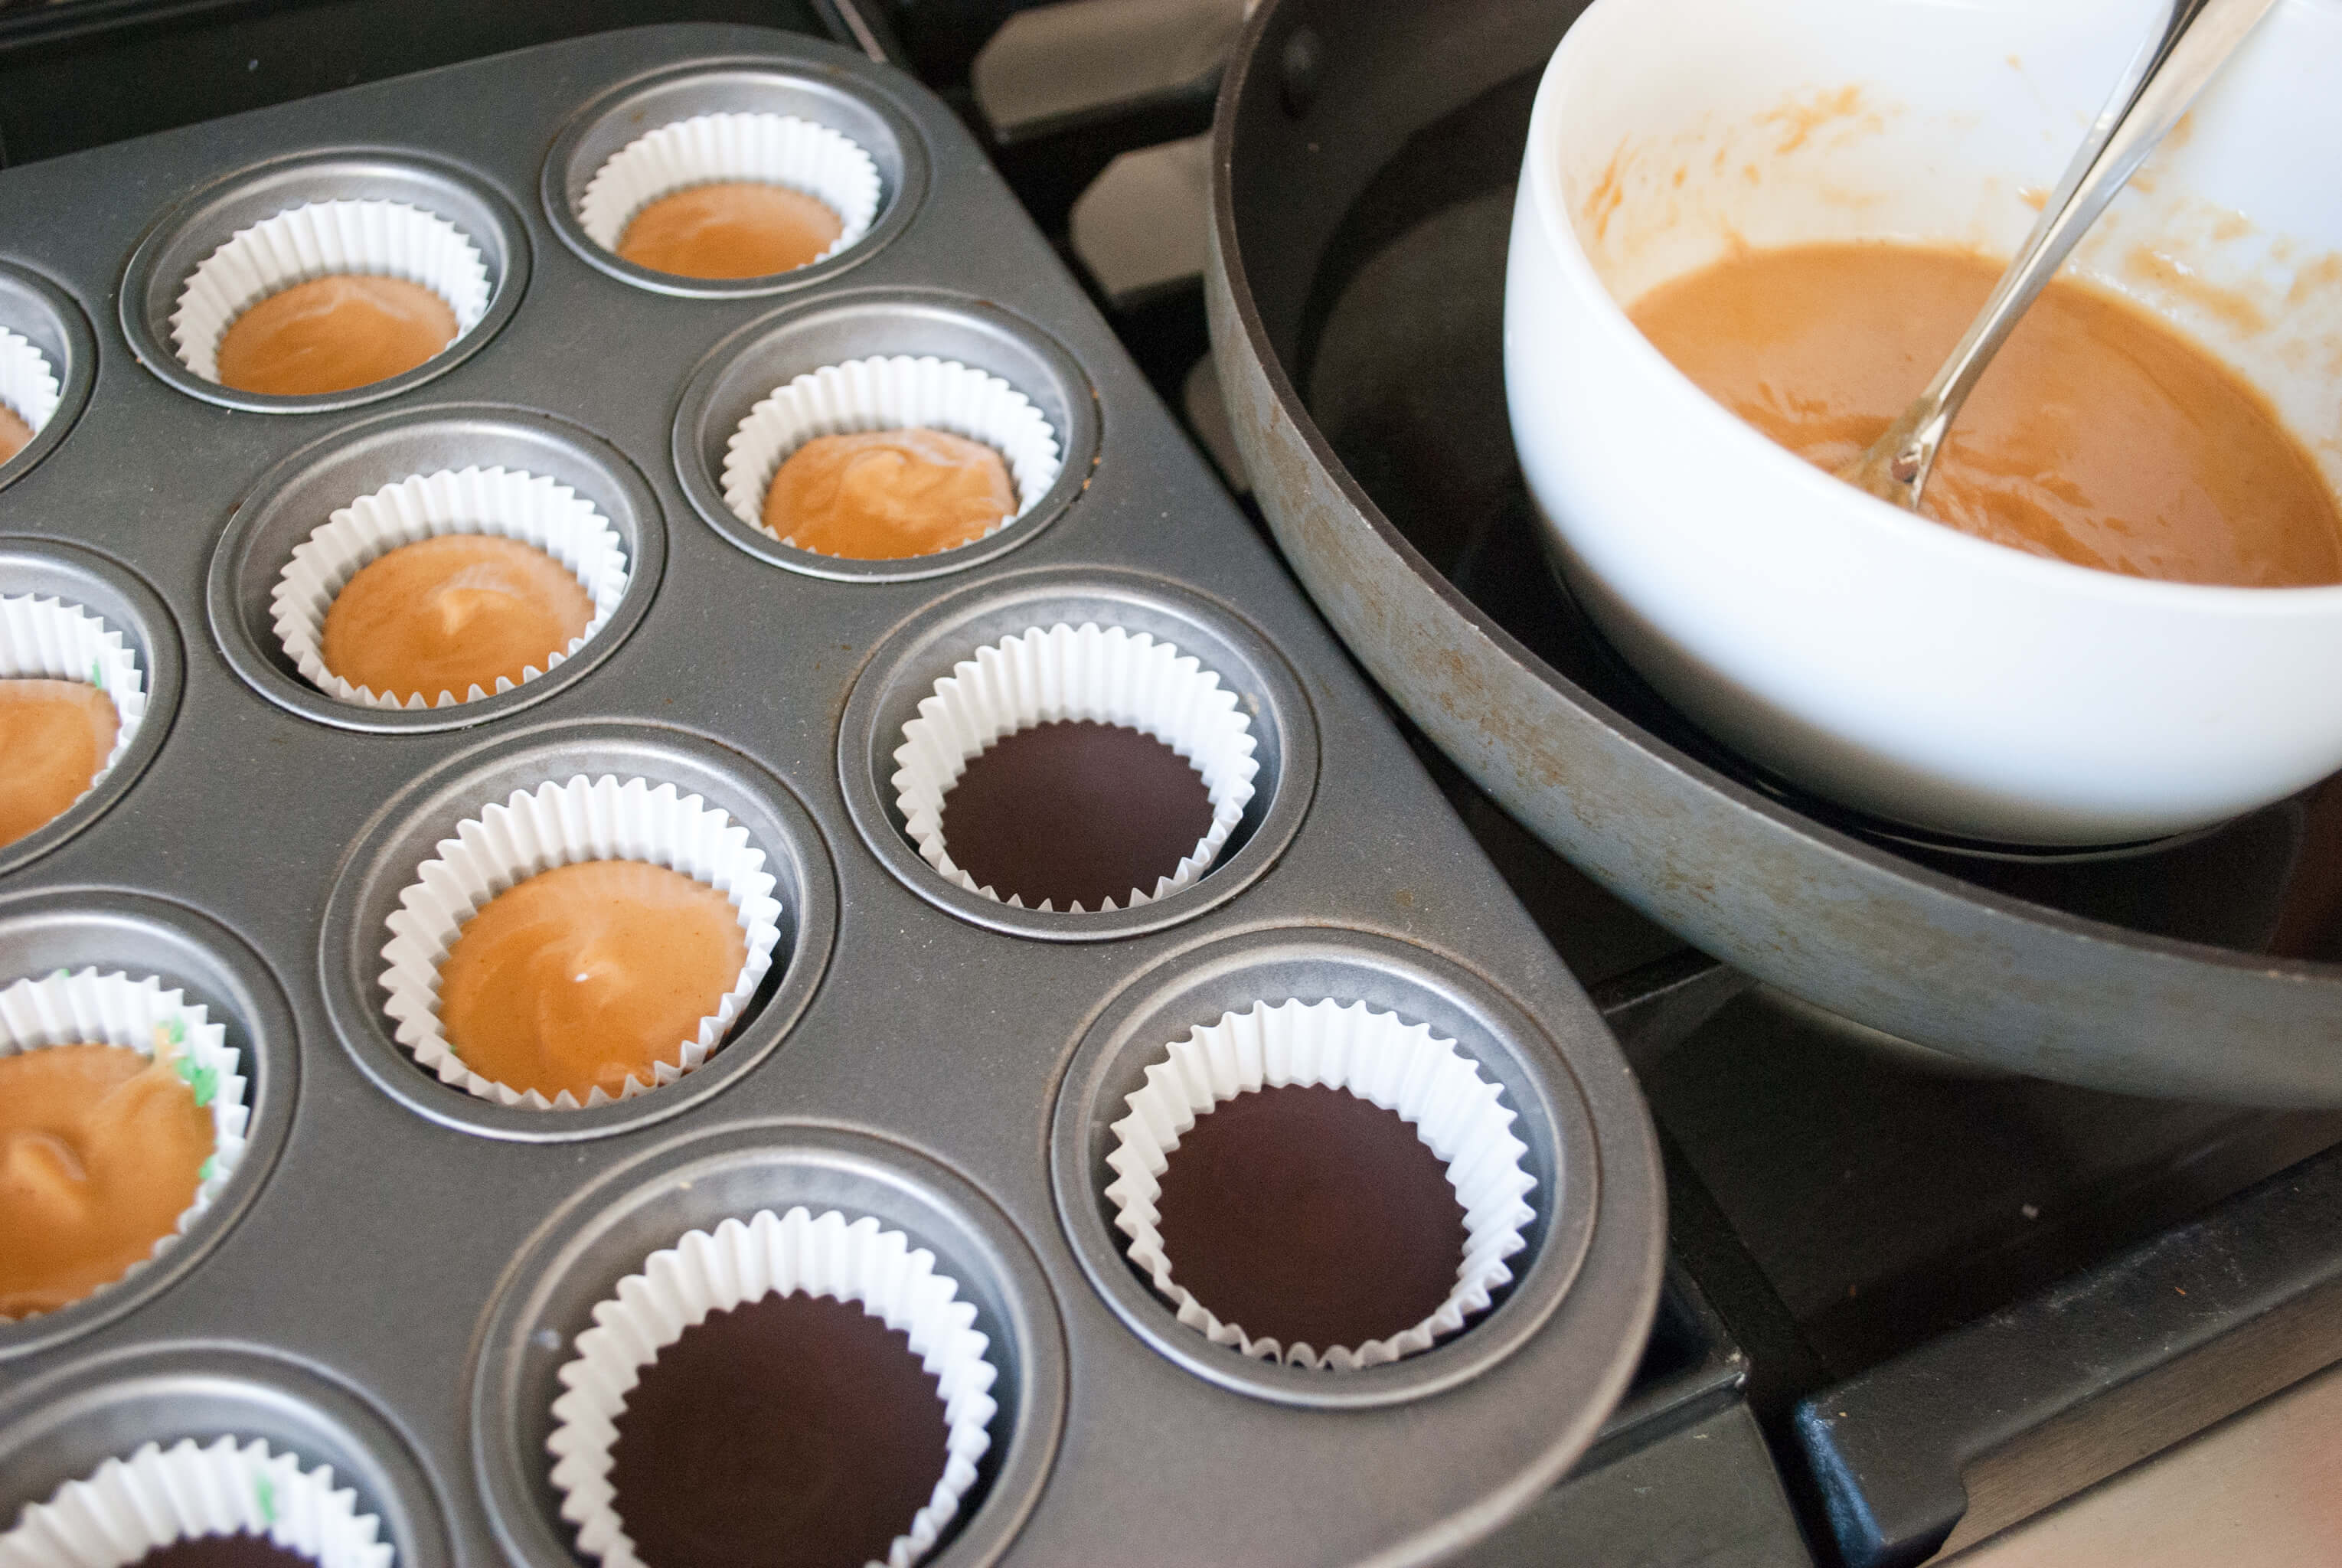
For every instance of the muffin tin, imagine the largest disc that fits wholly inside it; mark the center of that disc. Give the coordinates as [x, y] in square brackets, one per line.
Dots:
[398, 1268]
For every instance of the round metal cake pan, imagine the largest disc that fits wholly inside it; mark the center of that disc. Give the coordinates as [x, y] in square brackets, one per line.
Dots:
[1315, 104]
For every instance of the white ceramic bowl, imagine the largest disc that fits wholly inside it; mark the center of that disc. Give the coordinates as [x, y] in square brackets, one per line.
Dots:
[1881, 660]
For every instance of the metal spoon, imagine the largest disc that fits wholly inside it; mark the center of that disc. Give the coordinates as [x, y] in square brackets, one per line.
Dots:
[2196, 39]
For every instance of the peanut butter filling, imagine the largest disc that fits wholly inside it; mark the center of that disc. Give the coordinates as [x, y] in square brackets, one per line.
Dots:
[55, 736]
[447, 614]
[738, 228]
[332, 334]
[585, 975]
[14, 433]
[888, 494]
[102, 1149]
[2098, 435]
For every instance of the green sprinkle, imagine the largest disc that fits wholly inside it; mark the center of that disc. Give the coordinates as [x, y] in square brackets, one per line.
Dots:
[175, 1031]
[206, 1083]
[61, 975]
[208, 1169]
[185, 1068]
[97, 675]
[264, 1492]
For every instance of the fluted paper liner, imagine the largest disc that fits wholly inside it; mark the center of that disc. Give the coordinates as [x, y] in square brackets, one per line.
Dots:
[369, 239]
[1040, 676]
[28, 383]
[557, 824]
[717, 149]
[829, 1255]
[900, 393]
[505, 504]
[87, 1008]
[1402, 1067]
[129, 1507]
[51, 639]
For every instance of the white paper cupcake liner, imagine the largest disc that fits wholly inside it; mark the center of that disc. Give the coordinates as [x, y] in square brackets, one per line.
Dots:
[1112, 676]
[87, 1008]
[894, 393]
[563, 824]
[502, 503]
[702, 1274]
[1401, 1067]
[49, 639]
[715, 149]
[28, 383]
[370, 239]
[130, 1507]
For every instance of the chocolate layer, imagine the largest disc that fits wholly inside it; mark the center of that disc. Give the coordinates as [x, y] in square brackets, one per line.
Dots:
[794, 1431]
[237, 1551]
[1310, 1216]
[1074, 812]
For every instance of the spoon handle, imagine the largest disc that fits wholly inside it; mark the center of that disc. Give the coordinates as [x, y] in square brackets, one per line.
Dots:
[2156, 89]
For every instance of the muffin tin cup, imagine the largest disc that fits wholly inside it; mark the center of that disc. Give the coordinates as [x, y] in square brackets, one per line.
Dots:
[69, 613]
[544, 1315]
[765, 148]
[779, 381]
[1124, 1049]
[532, 509]
[900, 679]
[1075, 673]
[139, 1013]
[571, 822]
[615, 122]
[48, 362]
[367, 913]
[208, 1423]
[128, 1507]
[894, 393]
[1375, 1056]
[355, 211]
[220, 986]
[850, 1259]
[57, 639]
[246, 589]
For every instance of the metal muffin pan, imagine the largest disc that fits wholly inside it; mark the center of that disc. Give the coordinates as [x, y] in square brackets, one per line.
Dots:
[46, 316]
[903, 672]
[300, 493]
[53, 569]
[747, 367]
[749, 84]
[414, 1246]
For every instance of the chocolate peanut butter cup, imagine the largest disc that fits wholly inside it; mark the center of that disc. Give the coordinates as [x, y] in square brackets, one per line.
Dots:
[122, 1118]
[71, 698]
[29, 392]
[1320, 1185]
[731, 196]
[1104, 769]
[531, 572]
[225, 1505]
[934, 423]
[792, 1389]
[329, 296]
[580, 944]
